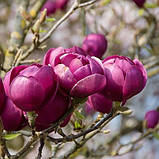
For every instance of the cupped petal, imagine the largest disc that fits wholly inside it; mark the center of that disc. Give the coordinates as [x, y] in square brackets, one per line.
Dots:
[46, 59]
[53, 109]
[67, 58]
[82, 72]
[100, 103]
[45, 76]
[30, 70]
[10, 76]
[95, 65]
[75, 64]
[65, 76]
[76, 50]
[55, 56]
[133, 82]
[11, 116]
[115, 81]
[143, 70]
[2, 95]
[88, 86]
[124, 63]
[152, 118]
[27, 93]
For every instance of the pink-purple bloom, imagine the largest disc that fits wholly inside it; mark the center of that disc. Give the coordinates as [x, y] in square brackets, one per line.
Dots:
[125, 78]
[61, 4]
[12, 117]
[95, 45]
[152, 118]
[29, 87]
[50, 5]
[139, 3]
[55, 108]
[100, 103]
[79, 75]
[2, 95]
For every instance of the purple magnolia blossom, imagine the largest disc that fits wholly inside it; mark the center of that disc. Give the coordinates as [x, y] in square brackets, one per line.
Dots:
[99, 103]
[61, 4]
[55, 108]
[79, 75]
[50, 5]
[152, 118]
[139, 3]
[12, 117]
[125, 78]
[29, 87]
[2, 95]
[95, 45]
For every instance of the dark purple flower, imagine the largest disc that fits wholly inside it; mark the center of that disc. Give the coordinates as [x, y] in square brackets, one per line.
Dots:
[2, 95]
[152, 118]
[99, 103]
[61, 4]
[79, 75]
[54, 109]
[139, 3]
[12, 117]
[50, 5]
[125, 78]
[30, 86]
[76, 49]
[95, 45]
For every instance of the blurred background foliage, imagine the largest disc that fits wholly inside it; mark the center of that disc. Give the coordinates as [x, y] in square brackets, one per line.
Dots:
[130, 31]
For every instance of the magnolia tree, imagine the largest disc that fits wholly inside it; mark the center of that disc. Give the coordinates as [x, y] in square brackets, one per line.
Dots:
[72, 94]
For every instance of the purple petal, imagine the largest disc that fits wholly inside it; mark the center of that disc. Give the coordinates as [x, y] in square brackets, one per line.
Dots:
[50, 6]
[75, 50]
[152, 118]
[115, 81]
[89, 85]
[95, 65]
[66, 78]
[82, 72]
[67, 58]
[46, 59]
[133, 82]
[124, 64]
[143, 70]
[2, 95]
[75, 64]
[11, 116]
[27, 93]
[53, 110]
[54, 57]
[100, 103]
[10, 76]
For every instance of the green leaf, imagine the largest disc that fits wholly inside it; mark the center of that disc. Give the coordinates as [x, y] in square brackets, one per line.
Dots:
[105, 2]
[79, 115]
[77, 125]
[50, 19]
[11, 136]
[141, 12]
[151, 5]
[156, 135]
[42, 31]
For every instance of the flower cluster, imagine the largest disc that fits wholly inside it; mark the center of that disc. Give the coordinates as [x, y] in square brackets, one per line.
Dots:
[53, 5]
[65, 74]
